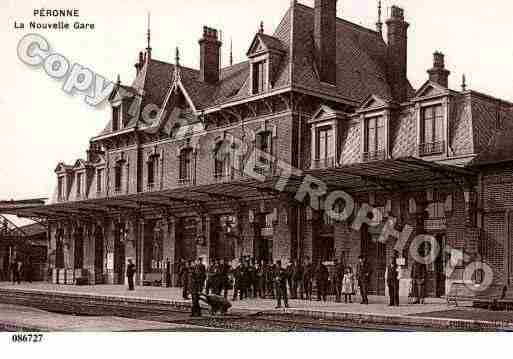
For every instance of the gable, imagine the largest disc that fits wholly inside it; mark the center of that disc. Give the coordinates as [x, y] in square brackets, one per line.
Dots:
[257, 46]
[431, 89]
[324, 113]
[62, 168]
[373, 102]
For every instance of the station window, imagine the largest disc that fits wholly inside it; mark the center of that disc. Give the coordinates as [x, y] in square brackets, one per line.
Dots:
[259, 77]
[99, 180]
[432, 138]
[374, 144]
[185, 169]
[118, 174]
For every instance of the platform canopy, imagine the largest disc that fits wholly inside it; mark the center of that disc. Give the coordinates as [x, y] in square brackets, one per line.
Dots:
[396, 175]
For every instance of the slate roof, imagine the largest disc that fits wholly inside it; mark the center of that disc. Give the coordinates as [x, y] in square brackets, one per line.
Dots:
[361, 68]
[499, 150]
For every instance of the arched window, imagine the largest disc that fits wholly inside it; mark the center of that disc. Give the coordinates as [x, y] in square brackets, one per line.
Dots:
[185, 175]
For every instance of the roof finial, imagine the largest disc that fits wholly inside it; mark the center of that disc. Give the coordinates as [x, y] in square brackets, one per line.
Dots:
[379, 24]
[148, 35]
[261, 27]
[464, 83]
[177, 56]
[231, 51]
[119, 80]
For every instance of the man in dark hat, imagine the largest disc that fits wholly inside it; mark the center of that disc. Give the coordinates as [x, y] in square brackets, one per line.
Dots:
[393, 281]
[185, 274]
[363, 275]
[321, 280]
[130, 272]
[338, 276]
[198, 278]
[419, 275]
[280, 280]
[308, 276]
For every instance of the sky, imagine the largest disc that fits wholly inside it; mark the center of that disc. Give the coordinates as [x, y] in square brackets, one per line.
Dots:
[42, 126]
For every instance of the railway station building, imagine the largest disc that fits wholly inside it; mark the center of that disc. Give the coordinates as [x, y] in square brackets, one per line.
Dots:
[328, 98]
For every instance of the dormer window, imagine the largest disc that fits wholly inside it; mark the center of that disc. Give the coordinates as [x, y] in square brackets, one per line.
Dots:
[374, 142]
[60, 188]
[265, 55]
[325, 147]
[99, 180]
[431, 130]
[325, 136]
[259, 77]
[80, 184]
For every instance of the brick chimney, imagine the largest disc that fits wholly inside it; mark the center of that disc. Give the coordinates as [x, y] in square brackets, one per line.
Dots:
[398, 53]
[210, 56]
[325, 37]
[439, 74]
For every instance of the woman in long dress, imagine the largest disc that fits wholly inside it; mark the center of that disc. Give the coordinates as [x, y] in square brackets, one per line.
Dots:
[348, 285]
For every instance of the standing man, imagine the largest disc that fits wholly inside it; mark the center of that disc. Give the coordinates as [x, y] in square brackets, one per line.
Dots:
[393, 282]
[184, 275]
[270, 279]
[168, 273]
[202, 273]
[308, 276]
[363, 275]
[198, 281]
[322, 276]
[419, 275]
[338, 276]
[130, 272]
[224, 277]
[237, 282]
[280, 280]
[29, 272]
[14, 272]
[252, 278]
[297, 280]
[291, 268]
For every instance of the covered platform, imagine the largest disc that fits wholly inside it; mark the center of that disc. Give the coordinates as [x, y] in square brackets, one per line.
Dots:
[398, 175]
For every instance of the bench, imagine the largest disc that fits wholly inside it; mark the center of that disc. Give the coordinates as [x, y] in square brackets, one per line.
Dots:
[462, 293]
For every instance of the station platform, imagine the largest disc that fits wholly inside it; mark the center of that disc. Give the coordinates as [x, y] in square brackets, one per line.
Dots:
[433, 314]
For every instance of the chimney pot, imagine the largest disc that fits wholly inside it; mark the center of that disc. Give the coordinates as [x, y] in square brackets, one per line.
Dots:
[439, 74]
[397, 13]
[438, 60]
[397, 38]
[210, 55]
[325, 37]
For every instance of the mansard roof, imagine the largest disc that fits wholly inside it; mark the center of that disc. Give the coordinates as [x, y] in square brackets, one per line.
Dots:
[499, 150]
[361, 69]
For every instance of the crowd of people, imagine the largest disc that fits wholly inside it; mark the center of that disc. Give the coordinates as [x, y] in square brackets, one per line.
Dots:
[248, 278]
